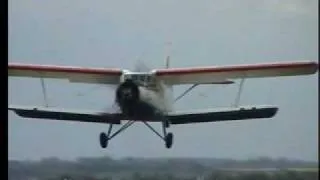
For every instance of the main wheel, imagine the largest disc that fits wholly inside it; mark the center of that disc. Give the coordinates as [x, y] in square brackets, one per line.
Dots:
[169, 140]
[103, 140]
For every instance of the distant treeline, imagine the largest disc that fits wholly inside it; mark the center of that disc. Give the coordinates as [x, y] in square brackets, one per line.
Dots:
[126, 167]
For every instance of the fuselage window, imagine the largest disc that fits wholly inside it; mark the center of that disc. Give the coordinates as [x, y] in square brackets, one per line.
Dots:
[148, 79]
[141, 79]
[135, 78]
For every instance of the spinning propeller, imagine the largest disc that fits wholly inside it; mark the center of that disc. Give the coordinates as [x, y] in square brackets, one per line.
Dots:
[140, 66]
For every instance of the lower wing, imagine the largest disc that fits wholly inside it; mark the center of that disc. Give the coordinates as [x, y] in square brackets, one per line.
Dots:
[211, 115]
[226, 114]
[66, 115]
[72, 73]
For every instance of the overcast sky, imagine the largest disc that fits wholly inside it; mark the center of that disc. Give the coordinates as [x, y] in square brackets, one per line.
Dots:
[107, 33]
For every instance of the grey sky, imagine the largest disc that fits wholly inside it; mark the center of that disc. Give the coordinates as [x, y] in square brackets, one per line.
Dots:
[115, 33]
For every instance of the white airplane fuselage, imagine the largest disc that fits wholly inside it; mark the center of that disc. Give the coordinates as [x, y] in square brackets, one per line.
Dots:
[152, 95]
[161, 98]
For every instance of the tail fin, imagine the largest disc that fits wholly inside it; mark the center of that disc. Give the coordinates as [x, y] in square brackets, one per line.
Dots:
[167, 60]
[168, 88]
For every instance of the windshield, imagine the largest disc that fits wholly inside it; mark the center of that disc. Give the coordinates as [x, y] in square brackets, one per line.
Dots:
[141, 79]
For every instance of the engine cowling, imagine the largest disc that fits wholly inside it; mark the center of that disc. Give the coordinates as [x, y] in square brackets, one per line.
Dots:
[127, 96]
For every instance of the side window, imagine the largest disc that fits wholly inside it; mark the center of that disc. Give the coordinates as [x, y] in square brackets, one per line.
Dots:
[151, 81]
[134, 77]
[127, 77]
[142, 78]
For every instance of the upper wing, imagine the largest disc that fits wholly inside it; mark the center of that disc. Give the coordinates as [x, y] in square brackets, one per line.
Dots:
[226, 114]
[74, 74]
[202, 75]
[66, 115]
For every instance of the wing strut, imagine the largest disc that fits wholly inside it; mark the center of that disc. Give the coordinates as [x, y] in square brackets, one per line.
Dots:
[44, 92]
[195, 85]
[237, 101]
[185, 92]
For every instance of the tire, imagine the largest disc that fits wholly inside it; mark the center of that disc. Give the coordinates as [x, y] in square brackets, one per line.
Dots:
[169, 140]
[103, 140]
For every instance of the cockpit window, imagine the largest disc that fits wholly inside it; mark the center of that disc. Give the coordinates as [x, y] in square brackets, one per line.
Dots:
[148, 78]
[141, 79]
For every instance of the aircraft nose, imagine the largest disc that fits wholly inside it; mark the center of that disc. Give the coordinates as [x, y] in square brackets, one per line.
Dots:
[126, 93]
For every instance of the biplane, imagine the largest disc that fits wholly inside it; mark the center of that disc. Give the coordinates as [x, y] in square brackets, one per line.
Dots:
[147, 96]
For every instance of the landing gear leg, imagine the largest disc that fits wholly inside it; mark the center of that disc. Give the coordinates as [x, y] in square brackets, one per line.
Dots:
[168, 137]
[104, 138]
[167, 124]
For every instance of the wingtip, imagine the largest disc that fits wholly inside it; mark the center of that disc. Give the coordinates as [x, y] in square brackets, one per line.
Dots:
[314, 66]
[274, 111]
[12, 107]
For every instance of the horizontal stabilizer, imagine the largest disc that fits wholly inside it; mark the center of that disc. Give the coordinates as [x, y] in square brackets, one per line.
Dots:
[225, 114]
[66, 115]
